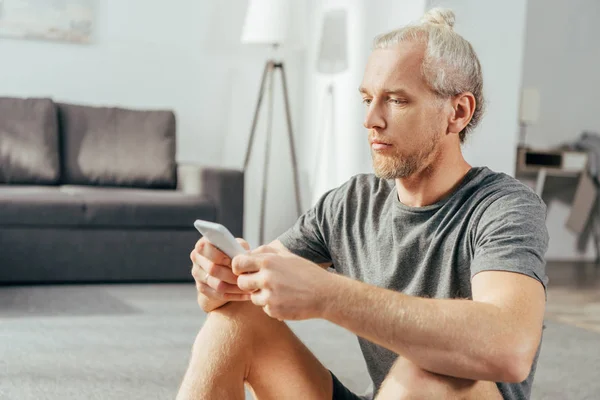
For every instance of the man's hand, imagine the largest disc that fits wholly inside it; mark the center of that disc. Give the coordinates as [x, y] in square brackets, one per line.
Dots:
[215, 282]
[285, 285]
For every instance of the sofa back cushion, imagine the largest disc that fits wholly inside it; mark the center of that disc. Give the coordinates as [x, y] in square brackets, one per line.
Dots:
[28, 141]
[117, 147]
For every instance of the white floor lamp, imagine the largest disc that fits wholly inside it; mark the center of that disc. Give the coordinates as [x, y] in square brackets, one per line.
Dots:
[529, 112]
[331, 61]
[266, 24]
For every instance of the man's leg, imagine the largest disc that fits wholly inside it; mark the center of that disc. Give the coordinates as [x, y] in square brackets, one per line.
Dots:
[240, 344]
[407, 381]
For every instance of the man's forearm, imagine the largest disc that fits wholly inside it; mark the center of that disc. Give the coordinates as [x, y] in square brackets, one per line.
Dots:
[460, 338]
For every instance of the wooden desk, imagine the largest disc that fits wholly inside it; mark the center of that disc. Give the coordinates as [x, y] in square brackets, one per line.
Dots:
[544, 163]
[540, 164]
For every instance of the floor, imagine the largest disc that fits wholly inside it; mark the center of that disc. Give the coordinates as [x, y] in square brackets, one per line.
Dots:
[129, 342]
[574, 294]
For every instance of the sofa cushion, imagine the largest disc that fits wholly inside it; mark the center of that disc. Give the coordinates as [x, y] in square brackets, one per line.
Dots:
[37, 206]
[137, 208]
[117, 147]
[28, 141]
[94, 207]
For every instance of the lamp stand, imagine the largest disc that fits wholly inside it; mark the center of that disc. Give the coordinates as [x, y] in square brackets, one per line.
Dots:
[523, 135]
[327, 110]
[267, 78]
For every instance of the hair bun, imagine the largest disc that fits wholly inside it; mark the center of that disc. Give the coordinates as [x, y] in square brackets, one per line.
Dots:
[439, 16]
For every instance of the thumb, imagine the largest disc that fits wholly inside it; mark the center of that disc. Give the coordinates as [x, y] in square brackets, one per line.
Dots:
[243, 243]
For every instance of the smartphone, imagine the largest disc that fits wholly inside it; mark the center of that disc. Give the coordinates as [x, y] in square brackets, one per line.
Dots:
[220, 237]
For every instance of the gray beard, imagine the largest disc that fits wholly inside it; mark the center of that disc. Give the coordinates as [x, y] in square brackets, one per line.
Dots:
[392, 168]
[397, 166]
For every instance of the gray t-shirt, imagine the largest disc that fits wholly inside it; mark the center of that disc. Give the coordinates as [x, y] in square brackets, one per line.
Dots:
[490, 221]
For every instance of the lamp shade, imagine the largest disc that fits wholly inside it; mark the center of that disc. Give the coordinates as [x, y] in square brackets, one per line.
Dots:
[266, 22]
[333, 44]
[530, 106]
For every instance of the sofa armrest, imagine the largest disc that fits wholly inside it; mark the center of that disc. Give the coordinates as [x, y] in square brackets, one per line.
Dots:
[224, 187]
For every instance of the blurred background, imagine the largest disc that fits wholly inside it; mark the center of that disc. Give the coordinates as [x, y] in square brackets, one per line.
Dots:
[199, 60]
[188, 57]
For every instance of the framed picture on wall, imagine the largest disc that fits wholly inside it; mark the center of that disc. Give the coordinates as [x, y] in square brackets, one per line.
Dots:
[59, 20]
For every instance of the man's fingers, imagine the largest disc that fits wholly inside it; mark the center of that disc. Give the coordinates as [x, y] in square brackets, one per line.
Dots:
[198, 274]
[250, 282]
[244, 264]
[209, 251]
[222, 287]
[253, 262]
[201, 277]
[259, 297]
[243, 243]
[222, 272]
[213, 294]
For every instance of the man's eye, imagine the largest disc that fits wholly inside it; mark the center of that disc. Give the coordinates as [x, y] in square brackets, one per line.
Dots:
[366, 101]
[397, 101]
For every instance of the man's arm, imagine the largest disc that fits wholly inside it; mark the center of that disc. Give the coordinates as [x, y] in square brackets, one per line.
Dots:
[493, 337]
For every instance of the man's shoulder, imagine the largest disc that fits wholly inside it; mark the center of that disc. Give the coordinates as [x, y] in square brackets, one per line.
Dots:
[506, 183]
[364, 188]
[358, 192]
[367, 182]
[500, 193]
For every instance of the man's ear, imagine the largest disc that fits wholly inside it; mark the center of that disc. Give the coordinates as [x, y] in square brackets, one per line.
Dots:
[463, 107]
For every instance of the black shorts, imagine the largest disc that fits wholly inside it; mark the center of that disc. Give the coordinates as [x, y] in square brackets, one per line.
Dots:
[341, 392]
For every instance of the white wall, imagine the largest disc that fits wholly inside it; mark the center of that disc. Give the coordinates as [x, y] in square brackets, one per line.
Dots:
[345, 151]
[496, 29]
[562, 59]
[499, 45]
[141, 57]
[185, 56]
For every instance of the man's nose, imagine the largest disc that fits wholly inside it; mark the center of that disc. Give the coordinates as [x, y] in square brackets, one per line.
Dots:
[374, 118]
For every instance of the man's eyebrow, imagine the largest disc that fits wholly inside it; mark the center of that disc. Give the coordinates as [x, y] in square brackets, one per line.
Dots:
[399, 91]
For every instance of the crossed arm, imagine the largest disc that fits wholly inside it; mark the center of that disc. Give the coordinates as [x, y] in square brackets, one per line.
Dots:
[493, 337]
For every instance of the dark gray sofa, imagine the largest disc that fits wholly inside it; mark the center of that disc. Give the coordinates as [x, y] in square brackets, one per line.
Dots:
[94, 194]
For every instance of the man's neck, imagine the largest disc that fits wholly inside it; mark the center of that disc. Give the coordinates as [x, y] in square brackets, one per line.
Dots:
[432, 184]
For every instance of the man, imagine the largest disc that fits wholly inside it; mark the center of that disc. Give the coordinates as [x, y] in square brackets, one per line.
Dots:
[440, 266]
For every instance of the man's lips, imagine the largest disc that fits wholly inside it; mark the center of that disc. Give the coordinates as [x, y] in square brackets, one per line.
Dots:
[379, 145]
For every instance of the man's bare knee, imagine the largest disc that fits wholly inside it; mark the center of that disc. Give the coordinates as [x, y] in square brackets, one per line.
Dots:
[241, 317]
[273, 359]
[244, 311]
[407, 381]
[404, 381]
[236, 308]
[223, 352]
[227, 326]
[239, 326]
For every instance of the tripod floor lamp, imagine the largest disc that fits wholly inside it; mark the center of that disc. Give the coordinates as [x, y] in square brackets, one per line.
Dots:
[266, 23]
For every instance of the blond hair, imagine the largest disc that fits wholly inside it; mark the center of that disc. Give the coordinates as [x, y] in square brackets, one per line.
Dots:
[450, 65]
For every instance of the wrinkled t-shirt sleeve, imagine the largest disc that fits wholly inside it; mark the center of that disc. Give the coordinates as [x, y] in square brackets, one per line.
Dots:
[308, 237]
[511, 235]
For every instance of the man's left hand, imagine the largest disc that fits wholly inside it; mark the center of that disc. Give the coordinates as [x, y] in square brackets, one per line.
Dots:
[286, 286]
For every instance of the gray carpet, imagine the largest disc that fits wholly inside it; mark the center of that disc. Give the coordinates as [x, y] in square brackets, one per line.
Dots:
[133, 342]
